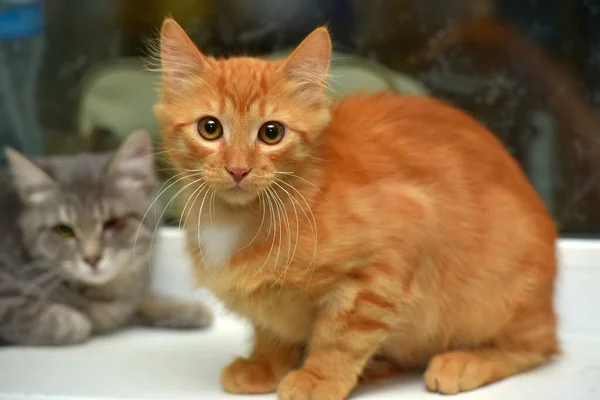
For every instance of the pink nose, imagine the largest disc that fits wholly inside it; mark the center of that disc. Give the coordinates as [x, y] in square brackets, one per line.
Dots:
[92, 260]
[238, 173]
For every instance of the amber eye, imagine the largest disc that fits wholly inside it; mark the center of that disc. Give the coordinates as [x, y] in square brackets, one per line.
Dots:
[271, 132]
[210, 128]
[64, 230]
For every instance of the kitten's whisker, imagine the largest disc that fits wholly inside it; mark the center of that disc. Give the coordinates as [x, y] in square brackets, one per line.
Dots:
[198, 233]
[279, 218]
[183, 217]
[159, 194]
[262, 221]
[272, 223]
[159, 220]
[311, 221]
[314, 221]
[296, 216]
[307, 181]
[286, 223]
[211, 207]
[192, 205]
[279, 226]
[289, 261]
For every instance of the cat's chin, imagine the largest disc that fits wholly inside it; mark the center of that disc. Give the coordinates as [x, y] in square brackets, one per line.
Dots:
[92, 279]
[237, 196]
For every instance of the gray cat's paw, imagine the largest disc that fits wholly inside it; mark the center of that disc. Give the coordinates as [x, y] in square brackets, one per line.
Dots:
[190, 316]
[64, 326]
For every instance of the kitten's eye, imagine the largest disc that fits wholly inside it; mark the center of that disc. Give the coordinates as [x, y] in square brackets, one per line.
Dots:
[116, 224]
[271, 132]
[64, 230]
[210, 128]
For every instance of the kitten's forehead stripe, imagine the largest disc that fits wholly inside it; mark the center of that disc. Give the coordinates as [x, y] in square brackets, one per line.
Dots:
[243, 92]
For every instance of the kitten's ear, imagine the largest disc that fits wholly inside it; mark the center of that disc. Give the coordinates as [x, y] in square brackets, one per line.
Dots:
[33, 184]
[132, 166]
[180, 58]
[308, 65]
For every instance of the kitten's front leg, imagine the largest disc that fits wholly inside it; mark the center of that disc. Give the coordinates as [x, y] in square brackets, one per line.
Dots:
[352, 324]
[172, 313]
[108, 316]
[261, 372]
[32, 323]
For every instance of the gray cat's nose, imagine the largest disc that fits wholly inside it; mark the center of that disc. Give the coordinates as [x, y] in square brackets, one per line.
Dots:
[92, 260]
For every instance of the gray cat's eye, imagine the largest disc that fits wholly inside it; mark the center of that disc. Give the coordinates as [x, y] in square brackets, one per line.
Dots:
[64, 230]
[116, 224]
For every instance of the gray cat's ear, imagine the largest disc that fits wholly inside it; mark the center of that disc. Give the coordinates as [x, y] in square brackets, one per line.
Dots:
[33, 184]
[132, 166]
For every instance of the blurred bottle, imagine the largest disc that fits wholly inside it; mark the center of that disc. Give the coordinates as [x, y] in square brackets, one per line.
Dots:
[21, 48]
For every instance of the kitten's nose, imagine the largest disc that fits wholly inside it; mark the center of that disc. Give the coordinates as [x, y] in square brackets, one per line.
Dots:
[238, 173]
[92, 260]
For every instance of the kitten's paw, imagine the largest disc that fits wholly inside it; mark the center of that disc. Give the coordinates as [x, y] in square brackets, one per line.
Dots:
[455, 372]
[245, 376]
[191, 316]
[305, 385]
[64, 326]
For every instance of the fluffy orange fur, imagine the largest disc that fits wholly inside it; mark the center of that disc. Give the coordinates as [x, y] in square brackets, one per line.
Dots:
[383, 227]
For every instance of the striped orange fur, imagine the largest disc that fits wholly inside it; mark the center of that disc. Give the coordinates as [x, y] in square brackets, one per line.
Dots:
[378, 228]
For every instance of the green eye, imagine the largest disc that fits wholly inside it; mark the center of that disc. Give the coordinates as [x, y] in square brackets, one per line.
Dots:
[64, 231]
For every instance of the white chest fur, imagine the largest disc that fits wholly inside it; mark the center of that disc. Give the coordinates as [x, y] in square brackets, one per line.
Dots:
[218, 243]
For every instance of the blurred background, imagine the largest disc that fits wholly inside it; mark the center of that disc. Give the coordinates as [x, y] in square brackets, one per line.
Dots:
[73, 74]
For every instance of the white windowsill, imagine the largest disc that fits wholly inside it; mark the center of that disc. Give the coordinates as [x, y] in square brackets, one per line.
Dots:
[152, 364]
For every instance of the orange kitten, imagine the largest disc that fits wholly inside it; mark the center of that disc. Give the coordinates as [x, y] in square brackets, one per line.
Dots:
[382, 227]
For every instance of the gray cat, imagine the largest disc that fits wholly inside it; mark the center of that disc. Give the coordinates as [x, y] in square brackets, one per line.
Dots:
[69, 226]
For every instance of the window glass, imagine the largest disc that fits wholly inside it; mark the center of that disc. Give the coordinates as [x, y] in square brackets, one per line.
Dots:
[74, 77]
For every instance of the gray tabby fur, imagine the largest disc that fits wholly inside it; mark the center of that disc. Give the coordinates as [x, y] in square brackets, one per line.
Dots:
[49, 293]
